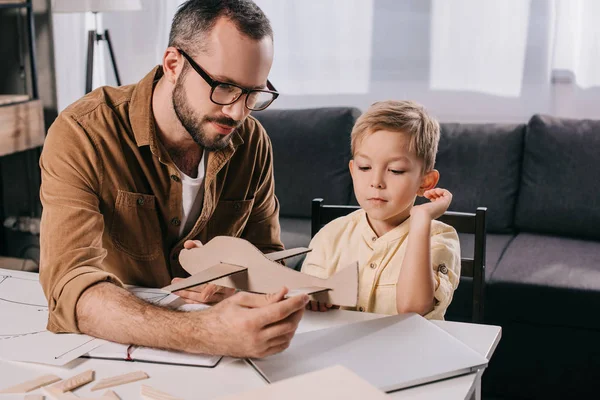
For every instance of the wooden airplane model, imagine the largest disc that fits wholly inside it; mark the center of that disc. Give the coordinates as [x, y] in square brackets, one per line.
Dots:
[236, 263]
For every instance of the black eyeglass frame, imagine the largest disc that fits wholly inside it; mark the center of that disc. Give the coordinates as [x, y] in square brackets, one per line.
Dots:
[213, 83]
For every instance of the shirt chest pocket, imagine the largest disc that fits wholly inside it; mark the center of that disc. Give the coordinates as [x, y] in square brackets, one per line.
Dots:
[230, 217]
[135, 226]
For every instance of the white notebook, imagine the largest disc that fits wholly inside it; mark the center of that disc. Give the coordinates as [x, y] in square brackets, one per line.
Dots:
[390, 353]
[116, 351]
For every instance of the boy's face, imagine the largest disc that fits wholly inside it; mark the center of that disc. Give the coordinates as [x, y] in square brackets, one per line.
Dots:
[387, 177]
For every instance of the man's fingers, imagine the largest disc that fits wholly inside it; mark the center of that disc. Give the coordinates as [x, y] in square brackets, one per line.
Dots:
[281, 310]
[284, 327]
[314, 306]
[252, 300]
[276, 349]
[191, 244]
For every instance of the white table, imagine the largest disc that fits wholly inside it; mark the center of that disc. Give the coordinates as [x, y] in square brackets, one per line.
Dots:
[234, 375]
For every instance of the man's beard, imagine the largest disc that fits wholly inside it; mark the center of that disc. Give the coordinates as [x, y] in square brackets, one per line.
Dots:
[193, 124]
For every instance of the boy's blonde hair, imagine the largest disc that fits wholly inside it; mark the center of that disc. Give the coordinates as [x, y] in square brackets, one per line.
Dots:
[401, 116]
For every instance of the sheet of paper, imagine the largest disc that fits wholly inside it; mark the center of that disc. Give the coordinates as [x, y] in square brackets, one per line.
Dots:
[24, 315]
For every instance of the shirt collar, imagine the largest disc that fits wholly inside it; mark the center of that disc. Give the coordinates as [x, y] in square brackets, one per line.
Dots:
[370, 237]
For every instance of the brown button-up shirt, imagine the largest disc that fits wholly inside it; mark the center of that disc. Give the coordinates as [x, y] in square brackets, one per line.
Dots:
[112, 200]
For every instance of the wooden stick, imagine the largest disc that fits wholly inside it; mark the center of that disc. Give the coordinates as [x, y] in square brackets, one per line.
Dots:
[110, 395]
[120, 380]
[33, 384]
[149, 393]
[76, 381]
[56, 394]
[34, 397]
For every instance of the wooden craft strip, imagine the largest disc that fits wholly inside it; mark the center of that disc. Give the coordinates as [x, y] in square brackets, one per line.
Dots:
[55, 393]
[33, 384]
[110, 395]
[282, 255]
[306, 290]
[34, 397]
[120, 380]
[216, 272]
[76, 381]
[149, 393]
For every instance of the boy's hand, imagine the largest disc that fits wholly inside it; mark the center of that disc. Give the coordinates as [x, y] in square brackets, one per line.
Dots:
[440, 200]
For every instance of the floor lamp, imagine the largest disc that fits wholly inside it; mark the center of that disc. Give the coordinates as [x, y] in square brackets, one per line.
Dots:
[96, 6]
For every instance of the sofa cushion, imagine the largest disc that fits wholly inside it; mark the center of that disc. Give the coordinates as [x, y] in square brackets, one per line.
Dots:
[311, 151]
[560, 189]
[547, 280]
[295, 232]
[480, 164]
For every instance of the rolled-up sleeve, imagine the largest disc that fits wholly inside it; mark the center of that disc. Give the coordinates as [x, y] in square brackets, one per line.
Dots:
[72, 224]
[445, 260]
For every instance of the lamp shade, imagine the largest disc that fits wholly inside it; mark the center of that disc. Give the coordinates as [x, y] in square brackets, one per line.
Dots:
[80, 6]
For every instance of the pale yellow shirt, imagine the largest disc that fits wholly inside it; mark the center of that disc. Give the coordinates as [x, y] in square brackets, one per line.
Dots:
[351, 238]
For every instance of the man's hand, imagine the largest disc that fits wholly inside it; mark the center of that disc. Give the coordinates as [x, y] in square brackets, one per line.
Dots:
[319, 306]
[207, 293]
[252, 325]
[439, 201]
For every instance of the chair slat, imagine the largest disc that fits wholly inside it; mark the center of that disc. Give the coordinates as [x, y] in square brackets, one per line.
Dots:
[466, 267]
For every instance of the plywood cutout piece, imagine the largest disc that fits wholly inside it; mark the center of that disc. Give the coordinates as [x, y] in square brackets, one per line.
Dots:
[33, 384]
[77, 381]
[149, 393]
[285, 254]
[262, 275]
[120, 380]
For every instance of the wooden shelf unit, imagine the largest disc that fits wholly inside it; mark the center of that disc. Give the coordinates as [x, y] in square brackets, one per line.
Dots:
[21, 115]
[21, 123]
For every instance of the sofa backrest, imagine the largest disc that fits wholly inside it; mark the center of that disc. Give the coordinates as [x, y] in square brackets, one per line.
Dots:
[560, 186]
[480, 164]
[311, 151]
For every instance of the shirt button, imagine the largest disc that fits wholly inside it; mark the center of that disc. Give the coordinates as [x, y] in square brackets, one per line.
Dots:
[175, 221]
[140, 201]
[443, 269]
[373, 265]
[237, 206]
[175, 178]
[361, 309]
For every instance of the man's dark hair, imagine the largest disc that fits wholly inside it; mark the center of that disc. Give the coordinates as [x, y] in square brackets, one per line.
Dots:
[196, 18]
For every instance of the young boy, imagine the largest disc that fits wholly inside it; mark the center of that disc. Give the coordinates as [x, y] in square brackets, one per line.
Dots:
[408, 261]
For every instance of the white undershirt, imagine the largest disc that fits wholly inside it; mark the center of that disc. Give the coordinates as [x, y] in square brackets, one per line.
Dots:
[192, 197]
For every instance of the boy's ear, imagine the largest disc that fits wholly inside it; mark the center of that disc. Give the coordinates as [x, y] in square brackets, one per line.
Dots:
[350, 164]
[428, 181]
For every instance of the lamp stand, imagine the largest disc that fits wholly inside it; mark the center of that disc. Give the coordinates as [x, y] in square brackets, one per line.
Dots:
[93, 37]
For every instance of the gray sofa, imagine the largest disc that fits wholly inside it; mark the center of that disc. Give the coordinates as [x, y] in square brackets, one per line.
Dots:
[541, 185]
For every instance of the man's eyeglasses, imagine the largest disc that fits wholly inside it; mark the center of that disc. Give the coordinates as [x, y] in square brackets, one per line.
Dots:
[228, 93]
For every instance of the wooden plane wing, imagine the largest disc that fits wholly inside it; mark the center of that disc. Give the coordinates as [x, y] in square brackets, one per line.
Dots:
[208, 275]
[306, 290]
[282, 255]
